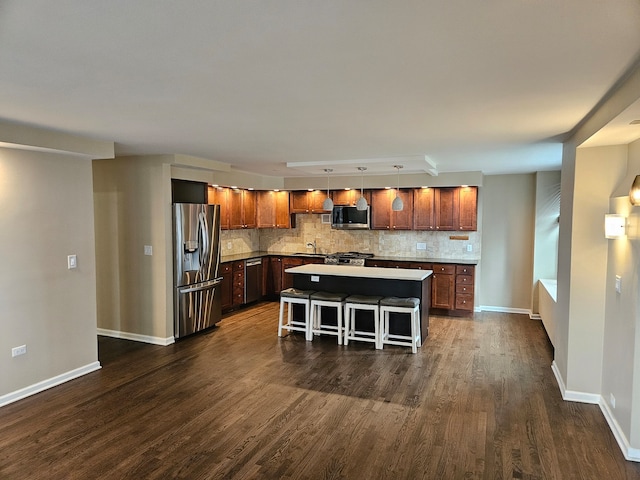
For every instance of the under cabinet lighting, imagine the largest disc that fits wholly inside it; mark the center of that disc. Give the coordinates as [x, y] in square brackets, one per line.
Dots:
[614, 226]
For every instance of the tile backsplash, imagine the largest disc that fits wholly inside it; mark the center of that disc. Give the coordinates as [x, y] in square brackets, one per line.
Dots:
[309, 228]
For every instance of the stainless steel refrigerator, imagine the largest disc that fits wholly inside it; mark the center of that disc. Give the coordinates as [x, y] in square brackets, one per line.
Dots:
[196, 239]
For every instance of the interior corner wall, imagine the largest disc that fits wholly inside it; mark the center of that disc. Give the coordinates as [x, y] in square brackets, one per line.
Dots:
[620, 376]
[597, 172]
[132, 198]
[545, 256]
[507, 241]
[46, 214]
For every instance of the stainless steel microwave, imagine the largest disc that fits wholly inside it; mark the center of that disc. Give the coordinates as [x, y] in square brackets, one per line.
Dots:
[348, 217]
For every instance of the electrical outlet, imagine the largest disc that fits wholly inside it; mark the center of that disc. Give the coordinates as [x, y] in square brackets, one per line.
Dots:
[229, 246]
[469, 247]
[148, 250]
[16, 351]
[612, 400]
[421, 246]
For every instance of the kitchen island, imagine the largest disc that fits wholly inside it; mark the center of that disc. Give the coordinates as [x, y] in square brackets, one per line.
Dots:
[354, 280]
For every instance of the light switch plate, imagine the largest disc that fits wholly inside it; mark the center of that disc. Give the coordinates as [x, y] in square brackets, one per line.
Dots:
[618, 284]
[421, 246]
[148, 250]
[72, 261]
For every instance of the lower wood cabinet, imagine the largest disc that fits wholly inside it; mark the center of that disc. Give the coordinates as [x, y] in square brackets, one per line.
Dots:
[442, 286]
[226, 288]
[464, 287]
[238, 283]
[452, 285]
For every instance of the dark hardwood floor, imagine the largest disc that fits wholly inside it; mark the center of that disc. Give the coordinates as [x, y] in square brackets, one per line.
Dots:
[478, 401]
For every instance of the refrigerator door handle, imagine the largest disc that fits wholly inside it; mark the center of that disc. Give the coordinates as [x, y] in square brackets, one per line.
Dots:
[201, 286]
[204, 233]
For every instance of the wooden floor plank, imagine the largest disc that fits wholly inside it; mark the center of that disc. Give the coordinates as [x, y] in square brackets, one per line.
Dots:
[478, 401]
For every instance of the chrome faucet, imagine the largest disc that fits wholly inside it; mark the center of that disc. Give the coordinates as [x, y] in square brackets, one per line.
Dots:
[312, 245]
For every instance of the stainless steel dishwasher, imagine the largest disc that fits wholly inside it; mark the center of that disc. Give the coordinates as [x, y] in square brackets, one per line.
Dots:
[253, 280]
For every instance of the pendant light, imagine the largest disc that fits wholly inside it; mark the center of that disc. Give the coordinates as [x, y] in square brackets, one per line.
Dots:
[328, 203]
[361, 204]
[397, 205]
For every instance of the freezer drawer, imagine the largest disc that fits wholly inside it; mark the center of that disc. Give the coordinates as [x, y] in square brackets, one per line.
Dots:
[197, 307]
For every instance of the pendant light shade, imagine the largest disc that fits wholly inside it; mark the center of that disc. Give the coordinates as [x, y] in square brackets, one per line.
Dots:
[328, 203]
[361, 204]
[634, 193]
[397, 205]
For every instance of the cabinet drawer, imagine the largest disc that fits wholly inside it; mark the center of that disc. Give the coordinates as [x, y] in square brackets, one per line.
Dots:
[420, 266]
[464, 269]
[226, 268]
[464, 302]
[464, 279]
[444, 268]
[238, 265]
[462, 288]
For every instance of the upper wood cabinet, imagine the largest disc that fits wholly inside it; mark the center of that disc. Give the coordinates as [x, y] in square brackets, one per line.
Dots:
[455, 208]
[349, 197]
[220, 196]
[424, 209]
[434, 208]
[383, 218]
[446, 206]
[273, 209]
[242, 209]
[303, 201]
[468, 209]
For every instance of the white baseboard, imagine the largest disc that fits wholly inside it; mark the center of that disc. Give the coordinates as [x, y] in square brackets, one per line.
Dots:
[631, 454]
[136, 337]
[489, 308]
[535, 316]
[49, 383]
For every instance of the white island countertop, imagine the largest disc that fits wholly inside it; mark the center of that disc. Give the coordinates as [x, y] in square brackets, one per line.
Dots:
[361, 272]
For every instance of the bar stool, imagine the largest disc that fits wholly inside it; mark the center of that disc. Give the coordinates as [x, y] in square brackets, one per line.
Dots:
[354, 303]
[409, 306]
[331, 300]
[292, 296]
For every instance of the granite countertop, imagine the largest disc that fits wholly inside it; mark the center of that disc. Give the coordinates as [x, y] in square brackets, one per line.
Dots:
[244, 256]
[362, 272]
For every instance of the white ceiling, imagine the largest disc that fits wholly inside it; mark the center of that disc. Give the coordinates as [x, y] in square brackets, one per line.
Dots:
[489, 85]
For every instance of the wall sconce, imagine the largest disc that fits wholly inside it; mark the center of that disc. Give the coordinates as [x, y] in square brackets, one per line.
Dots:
[634, 193]
[615, 226]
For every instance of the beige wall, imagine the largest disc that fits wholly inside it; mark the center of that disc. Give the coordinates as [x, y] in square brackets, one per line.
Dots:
[545, 250]
[591, 360]
[132, 198]
[621, 349]
[46, 213]
[507, 242]
[589, 262]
